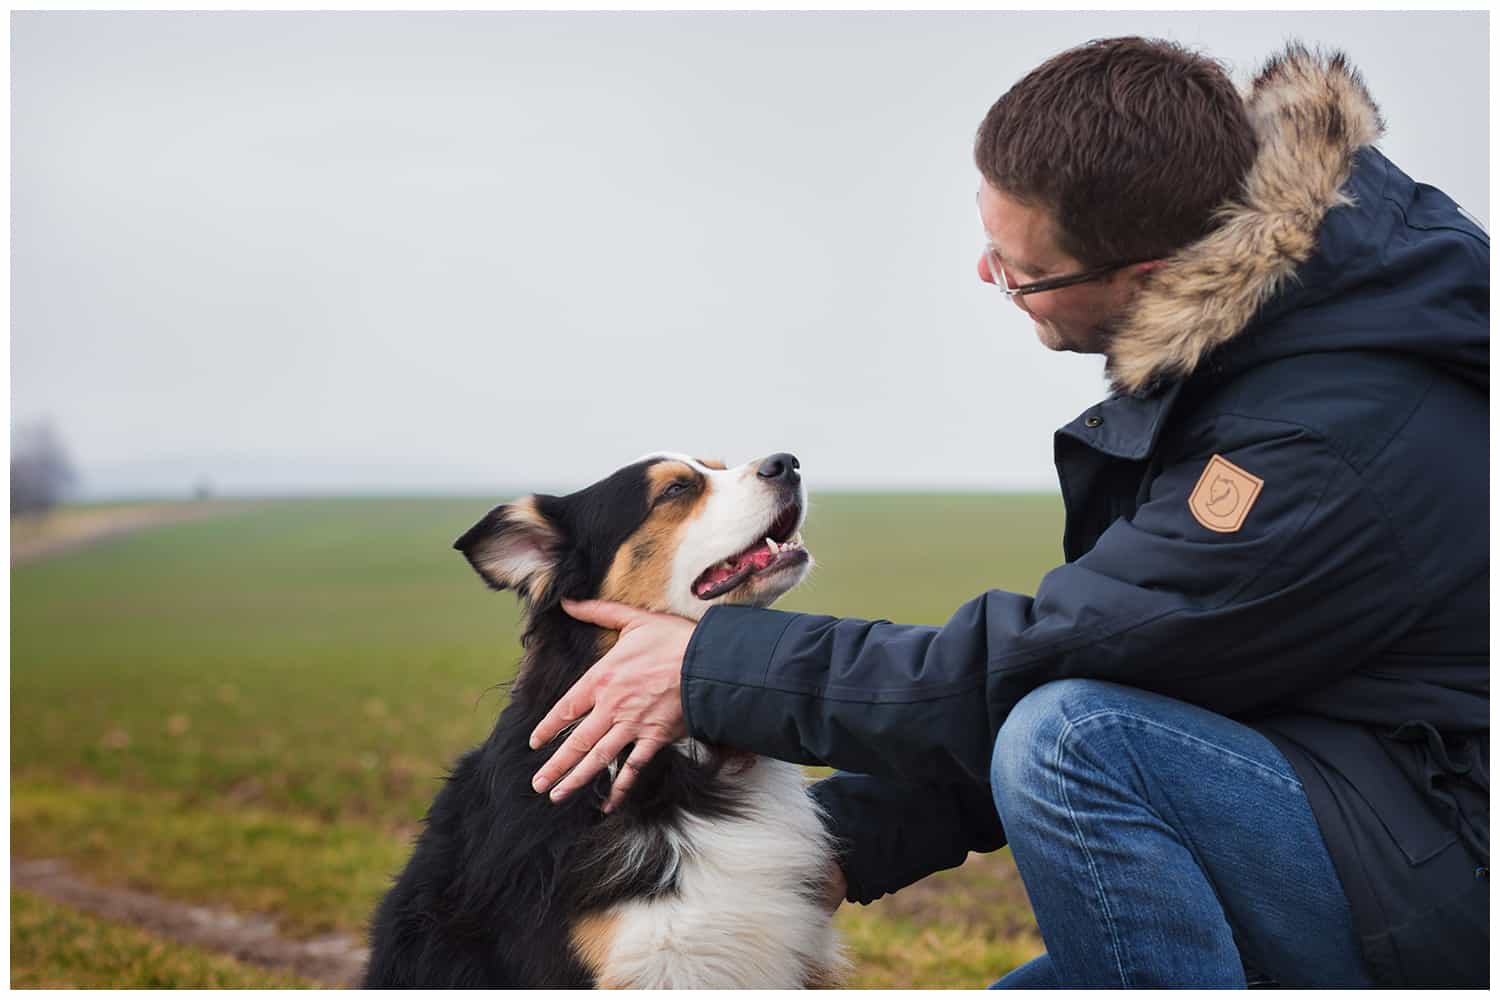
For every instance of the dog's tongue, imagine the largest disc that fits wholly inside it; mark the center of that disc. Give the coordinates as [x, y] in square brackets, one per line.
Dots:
[756, 559]
[753, 559]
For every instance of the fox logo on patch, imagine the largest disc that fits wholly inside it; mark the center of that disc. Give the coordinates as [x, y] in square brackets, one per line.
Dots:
[1224, 495]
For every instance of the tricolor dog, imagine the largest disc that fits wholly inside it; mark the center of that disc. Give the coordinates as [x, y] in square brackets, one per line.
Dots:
[709, 874]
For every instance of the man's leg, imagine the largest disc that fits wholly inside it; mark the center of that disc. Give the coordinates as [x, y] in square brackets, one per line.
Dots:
[1036, 974]
[1156, 839]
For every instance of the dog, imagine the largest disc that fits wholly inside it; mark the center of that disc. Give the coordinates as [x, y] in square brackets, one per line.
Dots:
[711, 871]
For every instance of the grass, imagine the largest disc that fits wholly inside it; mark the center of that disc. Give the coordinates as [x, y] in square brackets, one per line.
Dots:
[894, 953]
[314, 876]
[214, 656]
[53, 946]
[255, 710]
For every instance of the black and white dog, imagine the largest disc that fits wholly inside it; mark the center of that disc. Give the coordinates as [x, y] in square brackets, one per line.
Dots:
[709, 874]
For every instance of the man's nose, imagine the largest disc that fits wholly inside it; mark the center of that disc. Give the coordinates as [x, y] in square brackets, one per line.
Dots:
[988, 276]
[781, 466]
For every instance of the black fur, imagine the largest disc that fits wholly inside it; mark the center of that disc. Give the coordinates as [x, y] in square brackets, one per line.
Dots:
[500, 873]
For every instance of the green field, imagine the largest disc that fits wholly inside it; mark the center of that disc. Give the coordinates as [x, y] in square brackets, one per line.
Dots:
[254, 710]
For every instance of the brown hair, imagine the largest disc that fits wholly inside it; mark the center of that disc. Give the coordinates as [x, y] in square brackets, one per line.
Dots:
[1131, 143]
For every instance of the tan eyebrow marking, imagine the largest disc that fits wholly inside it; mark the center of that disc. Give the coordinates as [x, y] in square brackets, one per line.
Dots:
[712, 463]
[641, 570]
[663, 474]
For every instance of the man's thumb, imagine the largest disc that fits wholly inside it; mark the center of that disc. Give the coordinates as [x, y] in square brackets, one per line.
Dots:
[607, 614]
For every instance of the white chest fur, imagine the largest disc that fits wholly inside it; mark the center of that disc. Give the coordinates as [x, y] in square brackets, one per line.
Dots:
[744, 914]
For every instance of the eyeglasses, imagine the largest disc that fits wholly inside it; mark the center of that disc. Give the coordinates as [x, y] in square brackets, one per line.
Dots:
[997, 270]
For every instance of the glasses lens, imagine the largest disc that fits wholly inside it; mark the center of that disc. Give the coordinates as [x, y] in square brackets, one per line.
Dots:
[997, 272]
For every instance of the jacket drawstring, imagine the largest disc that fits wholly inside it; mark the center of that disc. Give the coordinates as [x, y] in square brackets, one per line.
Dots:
[1473, 828]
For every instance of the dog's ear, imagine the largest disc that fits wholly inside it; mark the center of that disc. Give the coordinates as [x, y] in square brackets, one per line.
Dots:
[514, 547]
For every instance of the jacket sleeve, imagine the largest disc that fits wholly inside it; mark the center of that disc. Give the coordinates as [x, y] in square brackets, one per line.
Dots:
[1308, 586]
[892, 833]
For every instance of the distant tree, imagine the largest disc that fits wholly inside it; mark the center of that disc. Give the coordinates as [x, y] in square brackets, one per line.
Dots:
[40, 473]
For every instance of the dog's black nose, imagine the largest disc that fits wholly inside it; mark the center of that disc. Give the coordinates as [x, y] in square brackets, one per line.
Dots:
[780, 466]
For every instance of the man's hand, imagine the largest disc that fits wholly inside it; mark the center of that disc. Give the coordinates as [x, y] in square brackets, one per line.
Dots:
[632, 695]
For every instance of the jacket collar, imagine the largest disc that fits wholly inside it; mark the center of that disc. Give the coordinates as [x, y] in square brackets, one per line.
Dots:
[1312, 115]
[1124, 426]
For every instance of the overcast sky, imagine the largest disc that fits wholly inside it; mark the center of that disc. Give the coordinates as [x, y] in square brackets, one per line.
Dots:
[421, 252]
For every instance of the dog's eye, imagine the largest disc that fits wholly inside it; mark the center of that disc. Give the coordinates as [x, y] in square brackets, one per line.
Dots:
[676, 489]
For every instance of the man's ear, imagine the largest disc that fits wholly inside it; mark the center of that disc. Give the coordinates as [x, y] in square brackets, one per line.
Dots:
[1142, 272]
[514, 547]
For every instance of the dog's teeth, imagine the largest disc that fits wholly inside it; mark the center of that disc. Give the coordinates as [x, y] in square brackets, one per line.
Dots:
[771, 544]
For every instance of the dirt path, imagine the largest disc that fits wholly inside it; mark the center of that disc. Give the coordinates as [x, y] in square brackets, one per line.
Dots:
[38, 536]
[330, 960]
[338, 960]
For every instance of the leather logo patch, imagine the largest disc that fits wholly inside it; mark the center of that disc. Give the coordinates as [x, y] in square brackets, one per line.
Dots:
[1224, 495]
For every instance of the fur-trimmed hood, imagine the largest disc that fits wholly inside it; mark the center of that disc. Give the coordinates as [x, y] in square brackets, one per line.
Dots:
[1321, 213]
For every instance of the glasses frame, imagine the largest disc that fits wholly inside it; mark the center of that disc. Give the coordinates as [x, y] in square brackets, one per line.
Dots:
[997, 269]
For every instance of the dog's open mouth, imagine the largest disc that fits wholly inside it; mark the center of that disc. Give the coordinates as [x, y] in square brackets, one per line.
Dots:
[781, 548]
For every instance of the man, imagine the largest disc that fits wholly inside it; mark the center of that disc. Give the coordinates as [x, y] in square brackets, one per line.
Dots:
[1246, 724]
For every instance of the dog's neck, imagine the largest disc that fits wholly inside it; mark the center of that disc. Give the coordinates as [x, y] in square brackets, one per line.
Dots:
[559, 650]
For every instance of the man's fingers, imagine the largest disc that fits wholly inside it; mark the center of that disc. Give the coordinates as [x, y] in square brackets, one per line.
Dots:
[579, 742]
[596, 760]
[570, 707]
[607, 614]
[645, 749]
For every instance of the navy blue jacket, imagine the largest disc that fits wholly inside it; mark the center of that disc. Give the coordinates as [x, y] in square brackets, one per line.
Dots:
[1344, 381]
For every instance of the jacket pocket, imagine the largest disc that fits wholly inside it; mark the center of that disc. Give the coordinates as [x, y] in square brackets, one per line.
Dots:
[1451, 778]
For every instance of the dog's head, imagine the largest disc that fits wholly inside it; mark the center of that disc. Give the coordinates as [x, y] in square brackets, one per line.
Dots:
[665, 533]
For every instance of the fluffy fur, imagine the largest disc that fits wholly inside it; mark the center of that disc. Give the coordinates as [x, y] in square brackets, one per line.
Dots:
[711, 872]
[1311, 115]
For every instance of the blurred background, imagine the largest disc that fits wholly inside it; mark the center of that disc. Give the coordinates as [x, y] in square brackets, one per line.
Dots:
[296, 297]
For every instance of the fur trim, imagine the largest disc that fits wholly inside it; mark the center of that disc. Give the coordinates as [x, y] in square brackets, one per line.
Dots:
[1311, 114]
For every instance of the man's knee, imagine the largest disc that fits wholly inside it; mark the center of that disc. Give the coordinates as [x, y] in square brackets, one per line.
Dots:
[1032, 726]
[1029, 743]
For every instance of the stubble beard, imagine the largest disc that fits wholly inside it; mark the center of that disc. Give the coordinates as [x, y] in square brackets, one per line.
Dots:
[1097, 339]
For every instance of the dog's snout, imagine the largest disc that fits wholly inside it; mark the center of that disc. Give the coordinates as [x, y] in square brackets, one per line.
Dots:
[781, 466]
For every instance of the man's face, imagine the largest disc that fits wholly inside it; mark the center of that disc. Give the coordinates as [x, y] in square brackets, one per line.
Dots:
[1080, 318]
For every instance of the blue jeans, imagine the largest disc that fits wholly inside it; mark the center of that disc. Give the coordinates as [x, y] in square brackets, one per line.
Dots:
[1164, 845]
